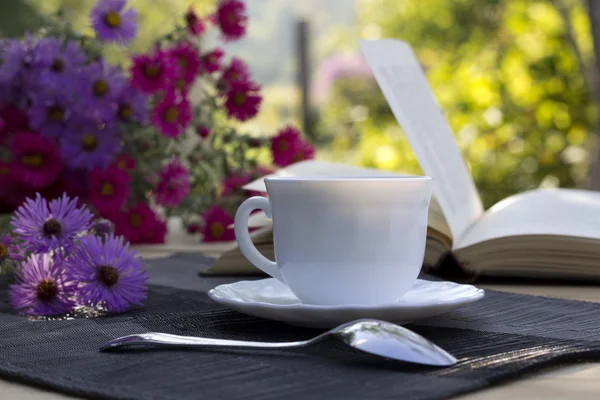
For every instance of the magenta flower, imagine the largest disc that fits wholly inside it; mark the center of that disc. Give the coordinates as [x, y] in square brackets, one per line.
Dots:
[211, 61]
[203, 131]
[153, 72]
[233, 183]
[112, 22]
[42, 287]
[236, 71]
[188, 61]
[288, 147]
[109, 274]
[173, 184]
[125, 162]
[216, 225]
[140, 224]
[172, 115]
[194, 23]
[35, 159]
[48, 226]
[232, 19]
[242, 100]
[109, 189]
[90, 147]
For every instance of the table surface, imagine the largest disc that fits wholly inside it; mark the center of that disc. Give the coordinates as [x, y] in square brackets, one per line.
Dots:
[573, 382]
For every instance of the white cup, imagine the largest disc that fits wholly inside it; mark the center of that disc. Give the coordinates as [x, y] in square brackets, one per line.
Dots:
[342, 240]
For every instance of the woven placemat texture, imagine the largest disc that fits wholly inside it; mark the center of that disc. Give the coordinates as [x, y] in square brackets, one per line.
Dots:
[498, 338]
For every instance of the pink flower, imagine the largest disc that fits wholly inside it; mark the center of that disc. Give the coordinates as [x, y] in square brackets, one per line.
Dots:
[288, 147]
[188, 61]
[36, 159]
[242, 100]
[203, 131]
[173, 184]
[125, 162]
[233, 183]
[211, 61]
[14, 121]
[232, 19]
[236, 71]
[216, 225]
[109, 189]
[194, 23]
[172, 115]
[140, 224]
[153, 72]
[193, 228]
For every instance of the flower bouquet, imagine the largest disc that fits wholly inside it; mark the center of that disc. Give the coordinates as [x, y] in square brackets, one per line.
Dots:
[137, 142]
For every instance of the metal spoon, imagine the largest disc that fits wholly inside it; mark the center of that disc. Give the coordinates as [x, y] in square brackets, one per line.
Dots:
[376, 337]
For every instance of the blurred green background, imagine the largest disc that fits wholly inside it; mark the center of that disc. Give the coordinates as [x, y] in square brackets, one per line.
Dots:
[517, 79]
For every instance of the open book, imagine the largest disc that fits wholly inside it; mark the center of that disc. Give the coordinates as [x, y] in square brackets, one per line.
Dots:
[544, 233]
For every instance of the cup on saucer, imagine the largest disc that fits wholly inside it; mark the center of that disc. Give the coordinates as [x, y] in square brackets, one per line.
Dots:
[342, 240]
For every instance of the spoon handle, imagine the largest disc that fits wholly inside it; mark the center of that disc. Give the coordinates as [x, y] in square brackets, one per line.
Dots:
[167, 340]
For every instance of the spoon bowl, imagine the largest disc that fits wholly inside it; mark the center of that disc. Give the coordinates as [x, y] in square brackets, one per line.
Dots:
[379, 338]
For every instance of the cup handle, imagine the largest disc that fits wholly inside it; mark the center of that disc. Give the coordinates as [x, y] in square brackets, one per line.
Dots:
[243, 237]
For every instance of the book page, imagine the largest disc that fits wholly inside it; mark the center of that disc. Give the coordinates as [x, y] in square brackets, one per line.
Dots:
[560, 212]
[314, 168]
[413, 103]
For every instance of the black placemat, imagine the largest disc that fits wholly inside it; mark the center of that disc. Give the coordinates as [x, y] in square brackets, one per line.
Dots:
[496, 339]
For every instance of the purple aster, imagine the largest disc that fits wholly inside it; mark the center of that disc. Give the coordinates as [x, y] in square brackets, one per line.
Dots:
[109, 274]
[51, 113]
[8, 249]
[58, 62]
[101, 85]
[102, 227]
[17, 71]
[42, 287]
[90, 145]
[112, 22]
[132, 105]
[46, 226]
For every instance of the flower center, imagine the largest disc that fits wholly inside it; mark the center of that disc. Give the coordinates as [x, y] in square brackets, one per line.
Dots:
[56, 113]
[283, 145]
[58, 65]
[152, 71]
[125, 111]
[239, 99]
[100, 88]
[299, 156]
[232, 18]
[135, 220]
[107, 189]
[217, 230]
[89, 142]
[112, 19]
[171, 114]
[33, 160]
[3, 250]
[182, 61]
[52, 227]
[107, 275]
[212, 58]
[179, 83]
[4, 171]
[46, 290]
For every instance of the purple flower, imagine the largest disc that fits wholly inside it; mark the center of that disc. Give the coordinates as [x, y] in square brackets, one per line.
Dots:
[90, 145]
[132, 105]
[102, 227]
[101, 85]
[42, 287]
[8, 249]
[112, 23]
[58, 62]
[17, 70]
[109, 274]
[50, 226]
[51, 113]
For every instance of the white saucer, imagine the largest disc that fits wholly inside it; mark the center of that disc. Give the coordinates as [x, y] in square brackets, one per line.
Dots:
[271, 299]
